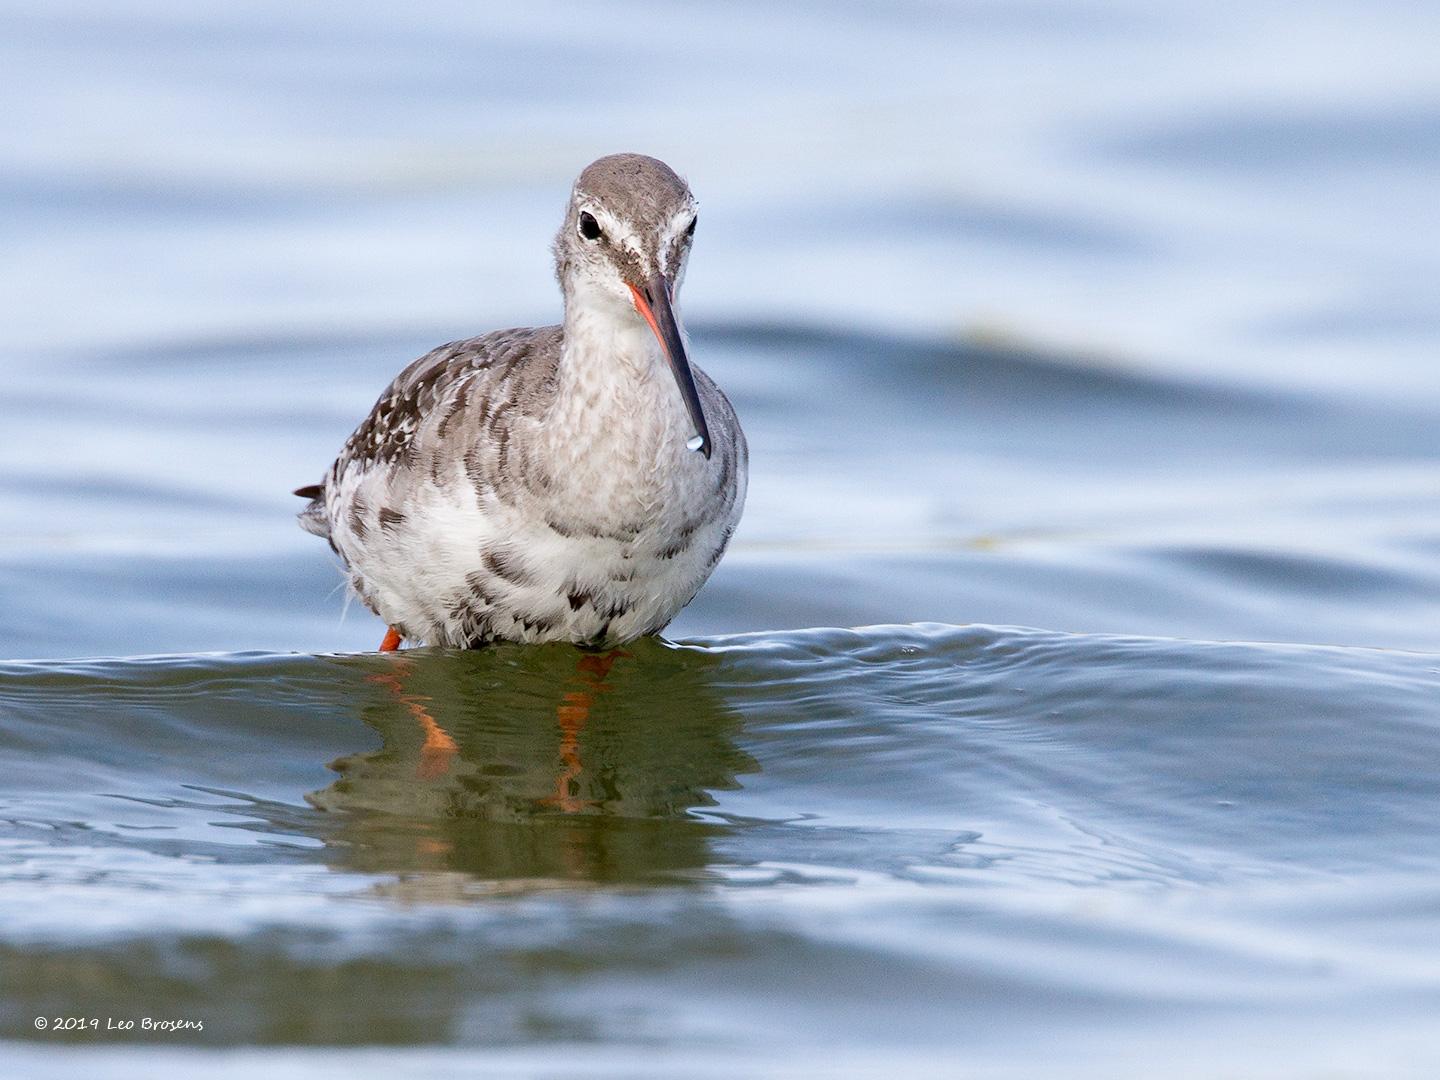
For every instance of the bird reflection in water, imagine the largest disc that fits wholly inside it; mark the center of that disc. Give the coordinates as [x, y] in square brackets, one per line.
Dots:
[439, 747]
[517, 767]
[571, 714]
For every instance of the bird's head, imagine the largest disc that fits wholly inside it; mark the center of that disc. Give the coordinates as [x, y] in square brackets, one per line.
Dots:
[622, 252]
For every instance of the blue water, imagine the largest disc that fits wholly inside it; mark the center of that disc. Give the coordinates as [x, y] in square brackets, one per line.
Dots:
[1068, 704]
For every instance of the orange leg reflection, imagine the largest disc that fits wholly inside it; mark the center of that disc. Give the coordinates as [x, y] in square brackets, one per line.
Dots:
[439, 748]
[571, 714]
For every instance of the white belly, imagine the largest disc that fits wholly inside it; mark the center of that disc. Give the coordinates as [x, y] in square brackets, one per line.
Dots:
[462, 568]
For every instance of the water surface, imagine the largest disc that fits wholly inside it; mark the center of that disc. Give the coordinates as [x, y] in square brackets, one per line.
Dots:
[916, 838]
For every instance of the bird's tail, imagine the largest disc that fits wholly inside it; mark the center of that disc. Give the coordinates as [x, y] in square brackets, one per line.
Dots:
[313, 518]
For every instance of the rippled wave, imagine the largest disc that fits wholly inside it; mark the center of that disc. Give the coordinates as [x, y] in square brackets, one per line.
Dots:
[176, 829]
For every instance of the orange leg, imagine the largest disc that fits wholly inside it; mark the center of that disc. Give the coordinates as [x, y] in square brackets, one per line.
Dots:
[439, 748]
[392, 640]
[571, 714]
[435, 754]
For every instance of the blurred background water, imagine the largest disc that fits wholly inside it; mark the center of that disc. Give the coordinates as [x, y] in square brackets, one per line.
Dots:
[1112, 319]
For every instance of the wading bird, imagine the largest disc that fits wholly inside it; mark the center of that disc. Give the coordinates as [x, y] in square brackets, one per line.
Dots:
[571, 483]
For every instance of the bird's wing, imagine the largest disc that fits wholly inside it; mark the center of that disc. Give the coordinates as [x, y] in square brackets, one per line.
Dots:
[481, 382]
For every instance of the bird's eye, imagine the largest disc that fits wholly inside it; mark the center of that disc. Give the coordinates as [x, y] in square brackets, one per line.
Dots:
[690, 229]
[589, 227]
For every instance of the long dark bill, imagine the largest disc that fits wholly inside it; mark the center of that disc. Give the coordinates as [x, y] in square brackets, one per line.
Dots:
[653, 303]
